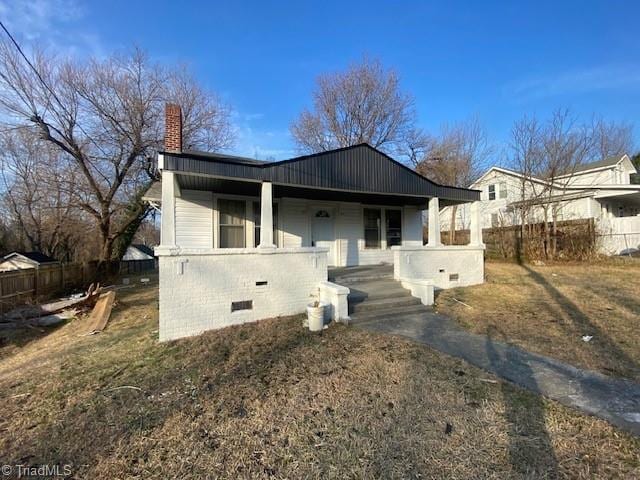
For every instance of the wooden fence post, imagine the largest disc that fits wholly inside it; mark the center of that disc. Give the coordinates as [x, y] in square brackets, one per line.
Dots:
[36, 282]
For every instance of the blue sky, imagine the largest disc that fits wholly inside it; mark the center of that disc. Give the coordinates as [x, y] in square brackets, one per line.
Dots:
[493, 60]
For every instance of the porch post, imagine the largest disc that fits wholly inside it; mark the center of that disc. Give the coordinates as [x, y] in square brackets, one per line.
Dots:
[475, 237]
[170, 190]
[434, 222]
[266, 216]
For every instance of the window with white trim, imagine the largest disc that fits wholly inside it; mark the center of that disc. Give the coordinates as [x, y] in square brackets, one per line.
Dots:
[492, 192]
[372, 218]
[503, 189]
[393, 221]
[232, 222]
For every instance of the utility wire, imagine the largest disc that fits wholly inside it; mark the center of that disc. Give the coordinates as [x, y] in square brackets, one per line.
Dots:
[53, 94]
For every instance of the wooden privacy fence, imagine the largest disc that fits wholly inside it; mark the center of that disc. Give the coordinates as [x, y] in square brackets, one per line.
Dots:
[575, 239]
[29, 285]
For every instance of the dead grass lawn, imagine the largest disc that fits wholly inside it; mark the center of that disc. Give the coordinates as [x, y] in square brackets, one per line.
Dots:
[270, 400]
[547, 309]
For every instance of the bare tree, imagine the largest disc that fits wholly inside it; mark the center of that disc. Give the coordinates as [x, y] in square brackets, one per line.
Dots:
[548, 155]
[362, 104]
[526, 147]
[455, 157]
[566, 146]
[105, 117]
[37, 199]
[611, 138]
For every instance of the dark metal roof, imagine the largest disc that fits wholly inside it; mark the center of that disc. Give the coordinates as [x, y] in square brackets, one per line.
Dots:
[36, 257]
[360, 169]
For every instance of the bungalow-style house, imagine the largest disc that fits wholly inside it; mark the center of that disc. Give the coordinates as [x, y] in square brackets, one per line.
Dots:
[599, 190]
[23, 260]
[243, 240]
[138, 251]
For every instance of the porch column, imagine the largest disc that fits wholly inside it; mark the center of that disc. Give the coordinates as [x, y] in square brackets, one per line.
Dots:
[434, 222]
[475, 225]
[266, 216]
[170, 190]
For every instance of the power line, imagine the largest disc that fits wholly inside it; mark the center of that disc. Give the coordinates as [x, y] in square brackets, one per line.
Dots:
[53, 94]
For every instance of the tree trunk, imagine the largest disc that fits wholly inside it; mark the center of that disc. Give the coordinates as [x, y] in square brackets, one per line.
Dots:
[452, 226]
[554, 240]
[547, 233]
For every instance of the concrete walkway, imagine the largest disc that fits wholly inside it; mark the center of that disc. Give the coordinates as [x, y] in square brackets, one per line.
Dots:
[617, 401]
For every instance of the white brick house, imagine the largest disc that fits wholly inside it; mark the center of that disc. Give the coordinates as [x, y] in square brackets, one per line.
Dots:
[600, 190]
[243, 240]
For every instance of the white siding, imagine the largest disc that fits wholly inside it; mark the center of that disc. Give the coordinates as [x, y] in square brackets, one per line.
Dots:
[412, 227]
[348, 231]
[194, 219]
[295, 223]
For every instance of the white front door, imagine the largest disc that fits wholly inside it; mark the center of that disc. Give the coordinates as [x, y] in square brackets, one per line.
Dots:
[323, 234]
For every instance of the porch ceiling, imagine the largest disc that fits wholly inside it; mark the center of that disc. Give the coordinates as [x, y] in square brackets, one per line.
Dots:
[252, 188]
[625, 198]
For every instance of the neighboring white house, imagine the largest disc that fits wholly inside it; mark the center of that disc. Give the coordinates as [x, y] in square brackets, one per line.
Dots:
[23, 260]
[138, 252]
[243, 240]
[601, 190]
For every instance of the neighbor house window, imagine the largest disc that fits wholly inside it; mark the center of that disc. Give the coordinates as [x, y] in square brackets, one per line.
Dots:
[492, 192]
[371, 228]
[494, 220]
[257, 221]
[393, 220]
[503, 190]
[232, 215]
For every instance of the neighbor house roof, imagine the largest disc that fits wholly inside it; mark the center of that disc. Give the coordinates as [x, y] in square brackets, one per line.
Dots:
[34, 257]
[605, 162]
[359, 170]
[143, 248]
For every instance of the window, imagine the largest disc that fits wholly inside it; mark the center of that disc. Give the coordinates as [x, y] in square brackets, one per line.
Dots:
[257, 221]
[503, 190]
[393, 219]
[492, 192]
[371, 228]
[494, 220]
[232, 215]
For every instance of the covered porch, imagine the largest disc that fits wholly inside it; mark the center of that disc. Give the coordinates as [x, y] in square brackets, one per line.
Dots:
[354, 228]
[243, 240]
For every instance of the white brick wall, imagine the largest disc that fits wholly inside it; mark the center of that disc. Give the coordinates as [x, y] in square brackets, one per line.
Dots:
[200, 297]
[438, 263]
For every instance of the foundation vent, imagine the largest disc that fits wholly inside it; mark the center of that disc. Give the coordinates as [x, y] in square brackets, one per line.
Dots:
[243, 305]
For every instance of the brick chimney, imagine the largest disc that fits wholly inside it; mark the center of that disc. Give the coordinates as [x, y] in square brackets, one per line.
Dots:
[173, 128]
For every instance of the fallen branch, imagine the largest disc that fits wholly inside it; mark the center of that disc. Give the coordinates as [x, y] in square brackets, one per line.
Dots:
[488, 380]
[20, 395]
[130, 387]
[46, 309]
[461, 303]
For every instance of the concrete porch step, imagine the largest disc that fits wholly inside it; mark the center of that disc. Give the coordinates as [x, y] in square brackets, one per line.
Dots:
[376, 290]
[382, 303]
[366, 273]
[346, 281]
[389, 313]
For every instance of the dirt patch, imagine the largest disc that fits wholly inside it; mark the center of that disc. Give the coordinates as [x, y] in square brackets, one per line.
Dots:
[271, 400]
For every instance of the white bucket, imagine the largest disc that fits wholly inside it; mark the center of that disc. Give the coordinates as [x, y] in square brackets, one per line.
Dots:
[316, 317]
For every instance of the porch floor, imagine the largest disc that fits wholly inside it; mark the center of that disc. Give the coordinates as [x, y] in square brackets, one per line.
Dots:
[342, 275]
